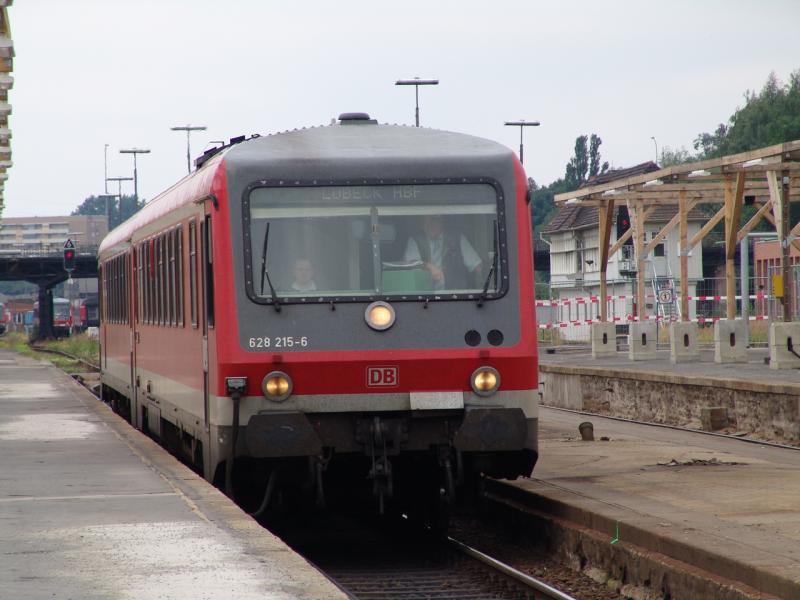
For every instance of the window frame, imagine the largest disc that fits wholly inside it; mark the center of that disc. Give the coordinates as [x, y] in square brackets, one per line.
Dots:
[433, 296]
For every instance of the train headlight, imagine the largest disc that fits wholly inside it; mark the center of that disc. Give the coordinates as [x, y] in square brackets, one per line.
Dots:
[485, 381]
[379, 315]
[277, 386]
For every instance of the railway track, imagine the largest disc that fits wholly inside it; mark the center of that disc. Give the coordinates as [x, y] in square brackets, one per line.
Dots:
[88, 364]
[372, 562]
[741, 438]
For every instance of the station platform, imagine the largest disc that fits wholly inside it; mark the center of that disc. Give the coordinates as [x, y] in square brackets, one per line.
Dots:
[91, 508]
[719, 504]
[758, 401]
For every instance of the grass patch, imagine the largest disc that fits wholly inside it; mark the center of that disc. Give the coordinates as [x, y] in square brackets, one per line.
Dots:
[79, 345]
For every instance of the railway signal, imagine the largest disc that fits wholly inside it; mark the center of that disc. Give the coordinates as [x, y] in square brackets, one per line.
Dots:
[69, 256]
[623, 223]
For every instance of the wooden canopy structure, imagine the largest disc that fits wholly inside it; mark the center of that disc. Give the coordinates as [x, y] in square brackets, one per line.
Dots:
[767, 178]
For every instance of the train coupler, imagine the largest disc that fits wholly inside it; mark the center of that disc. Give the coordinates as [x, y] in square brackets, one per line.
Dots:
[381, 438]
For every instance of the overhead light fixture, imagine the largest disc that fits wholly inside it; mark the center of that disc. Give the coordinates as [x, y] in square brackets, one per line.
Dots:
[699, 173]
[654, 182]
[610, 193]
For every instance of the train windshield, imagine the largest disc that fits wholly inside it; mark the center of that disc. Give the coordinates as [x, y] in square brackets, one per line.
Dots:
[61, 310]
[352, 242]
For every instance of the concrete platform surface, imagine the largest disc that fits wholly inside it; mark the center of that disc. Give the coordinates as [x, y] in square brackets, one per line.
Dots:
[720, 504]
[90, 509]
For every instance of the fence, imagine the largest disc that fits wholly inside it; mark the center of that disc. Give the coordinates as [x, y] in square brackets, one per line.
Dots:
[572, 316]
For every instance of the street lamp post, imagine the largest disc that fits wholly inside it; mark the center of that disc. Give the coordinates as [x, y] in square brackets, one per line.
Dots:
[188, 129]
[416, 82]
[119, 181]
[656, 144]
[105, 166]
[521, 124]
[135, 151]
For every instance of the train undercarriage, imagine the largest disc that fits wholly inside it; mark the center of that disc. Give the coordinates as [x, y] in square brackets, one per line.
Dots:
[390, 463]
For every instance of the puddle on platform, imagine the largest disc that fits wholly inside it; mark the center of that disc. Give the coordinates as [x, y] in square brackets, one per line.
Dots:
[47, 427]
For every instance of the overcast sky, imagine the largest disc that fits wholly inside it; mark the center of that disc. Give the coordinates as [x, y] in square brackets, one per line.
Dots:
[122, 72]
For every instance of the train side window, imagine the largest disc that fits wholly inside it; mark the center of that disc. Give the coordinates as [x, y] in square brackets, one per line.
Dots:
[170, 289]
[161, 283]
[154, 282]
[209, 272]
[137, 276]
[193, 273]
[145, 278]
[127, 289]
[114, 287]
[101, 292]
[160, 280]
[179, 276]
[146, 281]
[151, 279]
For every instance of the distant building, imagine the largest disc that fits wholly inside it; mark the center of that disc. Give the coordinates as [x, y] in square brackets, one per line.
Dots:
[48, 234]
[575, 261]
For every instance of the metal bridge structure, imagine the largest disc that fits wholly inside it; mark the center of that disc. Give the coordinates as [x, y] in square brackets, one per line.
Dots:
[45, 269]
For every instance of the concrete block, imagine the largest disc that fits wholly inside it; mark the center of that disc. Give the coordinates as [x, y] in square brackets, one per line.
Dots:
[730, 344]
[780, 357]
[604, 340]
[713, 418]
[683, 346]
[642, 340]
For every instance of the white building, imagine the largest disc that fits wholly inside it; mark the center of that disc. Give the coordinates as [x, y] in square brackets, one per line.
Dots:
[575, 265]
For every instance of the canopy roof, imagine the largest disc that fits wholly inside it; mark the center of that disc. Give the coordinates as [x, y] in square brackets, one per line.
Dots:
[703, 181]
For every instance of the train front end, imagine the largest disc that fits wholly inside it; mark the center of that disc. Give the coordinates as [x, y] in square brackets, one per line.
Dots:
[382, 326]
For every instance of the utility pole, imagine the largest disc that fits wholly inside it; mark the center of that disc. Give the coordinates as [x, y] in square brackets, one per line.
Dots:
[188, 129]
[522, 123]
[135, 151]
[119, 181]
[416, 82]
[105, 166]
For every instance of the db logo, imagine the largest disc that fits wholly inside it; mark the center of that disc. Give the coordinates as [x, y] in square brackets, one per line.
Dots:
[382, 376]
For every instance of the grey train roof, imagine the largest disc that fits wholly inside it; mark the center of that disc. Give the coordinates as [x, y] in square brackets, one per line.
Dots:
[369, 144]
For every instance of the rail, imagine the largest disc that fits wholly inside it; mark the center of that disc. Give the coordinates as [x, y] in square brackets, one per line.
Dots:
[533, 583]
[38, 348]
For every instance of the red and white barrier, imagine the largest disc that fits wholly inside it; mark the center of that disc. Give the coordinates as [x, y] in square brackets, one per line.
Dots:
[596, 299]
[632, 318]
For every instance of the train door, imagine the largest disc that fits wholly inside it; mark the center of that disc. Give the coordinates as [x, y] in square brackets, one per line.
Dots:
[206, 302]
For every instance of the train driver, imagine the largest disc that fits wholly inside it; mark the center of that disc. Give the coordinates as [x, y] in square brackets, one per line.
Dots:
[303, 276]
[447, 256]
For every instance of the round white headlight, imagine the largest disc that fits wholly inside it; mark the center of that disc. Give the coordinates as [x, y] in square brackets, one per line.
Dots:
[277, 386]
[379, 315]
[485, 381]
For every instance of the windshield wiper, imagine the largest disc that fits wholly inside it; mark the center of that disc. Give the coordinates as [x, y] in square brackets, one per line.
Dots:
[265, 275]
[492, 270]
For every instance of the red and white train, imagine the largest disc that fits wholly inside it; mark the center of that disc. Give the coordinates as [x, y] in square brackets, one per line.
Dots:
[350, 303]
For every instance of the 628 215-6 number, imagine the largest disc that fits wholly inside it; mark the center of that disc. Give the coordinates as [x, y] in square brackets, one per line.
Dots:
[278, 342]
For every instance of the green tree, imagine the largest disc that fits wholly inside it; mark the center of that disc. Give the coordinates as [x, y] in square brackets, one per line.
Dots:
[578, 165]
[675, 156]
[585, 162]
[770, 117]
[119, 210]
[594, 155]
